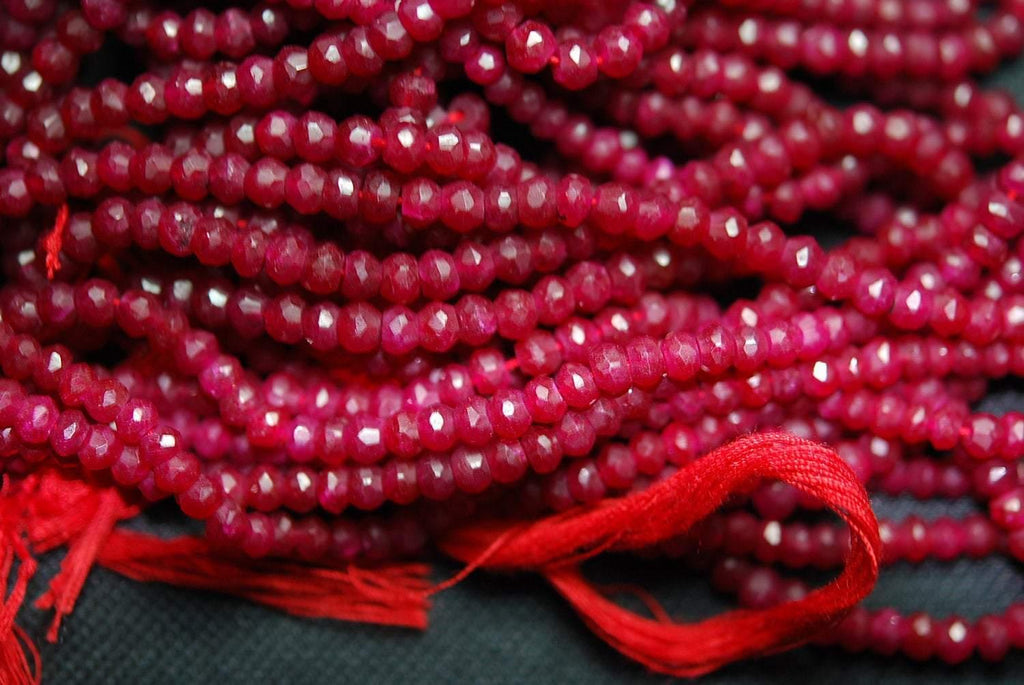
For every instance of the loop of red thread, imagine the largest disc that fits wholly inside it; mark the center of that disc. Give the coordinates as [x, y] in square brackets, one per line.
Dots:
[555, 546]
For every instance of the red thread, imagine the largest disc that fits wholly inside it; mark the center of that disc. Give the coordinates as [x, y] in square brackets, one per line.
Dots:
[391, 594]
[19, 658]
[556, 545]
[58, 510]
[53, 241]
[67, 584]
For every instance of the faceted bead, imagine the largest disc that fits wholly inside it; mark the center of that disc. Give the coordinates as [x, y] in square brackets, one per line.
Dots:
[462, 206]
[105, 399]
[717, 349]
[176, 474]
[399, 331]
[435, 477]
[983, 436]
[101, 449]
[35, 419]
[575, 65]
[436, 428]
[530, 46]
[576, 385]
[516, 312]
[445, 149]
[421, 202]
[509, 414]
[471, 470]
[366, 488]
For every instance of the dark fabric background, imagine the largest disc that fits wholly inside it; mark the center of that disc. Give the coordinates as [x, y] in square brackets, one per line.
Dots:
[488, 629]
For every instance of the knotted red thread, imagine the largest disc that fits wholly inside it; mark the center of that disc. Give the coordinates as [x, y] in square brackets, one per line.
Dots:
[555, 546]
[53, 242]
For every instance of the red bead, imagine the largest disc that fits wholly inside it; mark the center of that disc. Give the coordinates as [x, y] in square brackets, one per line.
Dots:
[574, 65]
[100, 450]
[530, 46]
[919, 642]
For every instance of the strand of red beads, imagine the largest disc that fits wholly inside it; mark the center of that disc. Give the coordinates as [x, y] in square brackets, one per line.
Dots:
[499, 274]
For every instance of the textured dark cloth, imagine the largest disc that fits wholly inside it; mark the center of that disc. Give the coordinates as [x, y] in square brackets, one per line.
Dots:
[490, 628]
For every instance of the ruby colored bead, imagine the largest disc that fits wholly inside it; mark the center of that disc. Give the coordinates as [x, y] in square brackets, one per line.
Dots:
[399, 330]
[355, 141]
[955, 640]
[436, 428]
[134, 420]
[516, 312]
[366, 488]
[473, 422]
[101, 448]
[610, 367]
[69, 433]
[485, 66]
[717, 349]
[184, 94]
[438, 275]
[1007, 510]
[200, 500]
[471, 470]
[993, 640]
[421, 202]
[398, 480]
[576, 435]
[400, 282]
[380, 195]
[591, 286]
[435, 477]
[575, 66]
[530, 46]
[364, 442]
[439, 327]
[35, 419]
[176, 474]
[104, 400]
[887, 631]
[461, 206]
[983, 436]
[283, 318]
[445, 149]
[477, 320]
[919, 642]
[509, 413]
[576, 385]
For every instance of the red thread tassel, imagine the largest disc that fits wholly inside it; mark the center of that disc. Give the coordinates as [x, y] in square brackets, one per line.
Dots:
[19, 658]
[393, 594]
[67, 584]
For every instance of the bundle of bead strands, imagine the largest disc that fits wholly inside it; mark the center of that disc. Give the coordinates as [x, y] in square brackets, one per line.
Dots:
[298, 274]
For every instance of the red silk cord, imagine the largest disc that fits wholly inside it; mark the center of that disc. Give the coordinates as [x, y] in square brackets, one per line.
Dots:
[554, 546]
